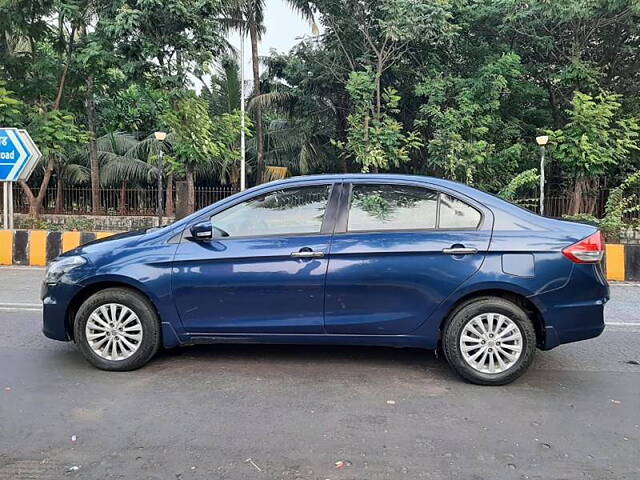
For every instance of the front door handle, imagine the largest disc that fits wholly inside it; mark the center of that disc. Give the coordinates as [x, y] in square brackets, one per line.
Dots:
[307, 254]
[459, 251]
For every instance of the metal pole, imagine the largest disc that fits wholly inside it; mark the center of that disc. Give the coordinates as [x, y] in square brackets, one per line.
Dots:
[10, 189]
[243, 173]
[160, 173]
[5, 205]
[542, 180]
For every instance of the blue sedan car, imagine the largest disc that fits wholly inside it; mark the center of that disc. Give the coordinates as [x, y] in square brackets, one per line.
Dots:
[390, 260]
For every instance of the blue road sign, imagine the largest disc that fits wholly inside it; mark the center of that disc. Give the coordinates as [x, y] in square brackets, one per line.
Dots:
[18, 153]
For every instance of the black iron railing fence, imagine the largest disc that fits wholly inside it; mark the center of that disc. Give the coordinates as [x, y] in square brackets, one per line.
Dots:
[139, 201]
[115, 201]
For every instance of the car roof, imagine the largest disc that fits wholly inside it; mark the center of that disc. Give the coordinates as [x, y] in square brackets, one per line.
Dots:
[373, 177]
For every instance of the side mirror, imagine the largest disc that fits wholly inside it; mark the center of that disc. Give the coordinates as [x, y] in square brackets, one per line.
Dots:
[202, 231]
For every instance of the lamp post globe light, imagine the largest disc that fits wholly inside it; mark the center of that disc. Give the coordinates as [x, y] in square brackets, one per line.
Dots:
[160, 137]
[542, 140]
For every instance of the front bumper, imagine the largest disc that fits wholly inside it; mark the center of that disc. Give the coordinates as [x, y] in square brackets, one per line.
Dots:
[55, 303]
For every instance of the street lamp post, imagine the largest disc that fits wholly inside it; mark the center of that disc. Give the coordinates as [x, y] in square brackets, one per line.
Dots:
[243, 173]
[542, 141]
[160, 137]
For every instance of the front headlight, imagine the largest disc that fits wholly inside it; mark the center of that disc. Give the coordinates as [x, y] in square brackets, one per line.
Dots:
[58, 268]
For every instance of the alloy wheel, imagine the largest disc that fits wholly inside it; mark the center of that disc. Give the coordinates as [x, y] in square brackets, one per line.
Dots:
[114, 331]
[491, 343]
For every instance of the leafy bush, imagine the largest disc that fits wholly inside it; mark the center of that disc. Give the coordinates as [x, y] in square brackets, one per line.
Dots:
[528, 178]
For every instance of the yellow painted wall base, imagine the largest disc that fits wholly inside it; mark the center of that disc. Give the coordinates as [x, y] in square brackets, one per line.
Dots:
[615, 262]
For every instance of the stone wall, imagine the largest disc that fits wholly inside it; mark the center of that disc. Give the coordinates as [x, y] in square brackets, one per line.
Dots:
[94, 223]
[631, 236]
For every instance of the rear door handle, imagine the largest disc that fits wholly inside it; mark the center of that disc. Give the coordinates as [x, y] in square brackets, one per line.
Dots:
[307, 254]
[459, 251]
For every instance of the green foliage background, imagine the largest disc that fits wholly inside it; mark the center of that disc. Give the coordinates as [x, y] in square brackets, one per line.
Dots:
[452, 88]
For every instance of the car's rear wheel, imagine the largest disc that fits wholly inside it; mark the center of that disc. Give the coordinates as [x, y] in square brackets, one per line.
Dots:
[489, 341]
[117, 329]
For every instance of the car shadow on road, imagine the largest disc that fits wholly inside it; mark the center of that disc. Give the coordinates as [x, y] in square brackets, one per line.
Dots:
[293, 356]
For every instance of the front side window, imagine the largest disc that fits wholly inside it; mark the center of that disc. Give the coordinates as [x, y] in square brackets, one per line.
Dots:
[287, 211]
[392, 207]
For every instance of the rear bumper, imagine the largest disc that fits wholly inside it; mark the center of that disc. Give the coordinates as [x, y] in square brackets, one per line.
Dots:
[566, 324]
[576, 311]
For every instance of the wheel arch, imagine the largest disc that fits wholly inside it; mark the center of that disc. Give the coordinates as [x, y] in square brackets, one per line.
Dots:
[515, 297]
[94, 287]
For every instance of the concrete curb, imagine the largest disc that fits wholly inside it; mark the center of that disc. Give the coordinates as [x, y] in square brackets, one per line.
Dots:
[37, 247]
[622, 262]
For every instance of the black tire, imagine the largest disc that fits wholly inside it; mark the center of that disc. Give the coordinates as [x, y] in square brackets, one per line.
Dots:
[146, 314]
[464, 314]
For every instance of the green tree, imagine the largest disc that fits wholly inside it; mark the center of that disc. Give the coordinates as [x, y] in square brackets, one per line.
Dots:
[56, 134]
[376, 140]
[596, 138]
[474, 137]
[200, 140]
[247, 16]
[11, 109]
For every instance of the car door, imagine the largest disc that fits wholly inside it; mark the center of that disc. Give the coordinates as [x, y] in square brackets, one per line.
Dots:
[398, 251]
[268, 274]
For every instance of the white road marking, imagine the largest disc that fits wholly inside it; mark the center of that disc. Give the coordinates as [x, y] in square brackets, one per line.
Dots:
[21, 305]
[22, 267]
[19, 309]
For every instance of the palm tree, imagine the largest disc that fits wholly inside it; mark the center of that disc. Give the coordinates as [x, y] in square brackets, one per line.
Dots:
[247, 16]
[223, 93]
[126, 160]
[299, 133]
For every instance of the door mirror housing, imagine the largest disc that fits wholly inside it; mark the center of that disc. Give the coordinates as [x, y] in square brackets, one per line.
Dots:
[207, 231]
[202, 231]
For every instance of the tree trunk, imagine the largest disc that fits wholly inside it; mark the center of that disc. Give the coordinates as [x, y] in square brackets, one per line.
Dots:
[122, 202]
[65, 71]
[169, 199]
[33, 210]
[580, 188]
[255, 61]
[191, 191]
[35, 202]
[93, 148]
[379, 90]
[556, 110]
[59, 194]
[342, 127]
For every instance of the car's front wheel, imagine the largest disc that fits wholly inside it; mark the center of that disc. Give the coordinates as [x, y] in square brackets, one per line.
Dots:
[117, 329]
[489, 341]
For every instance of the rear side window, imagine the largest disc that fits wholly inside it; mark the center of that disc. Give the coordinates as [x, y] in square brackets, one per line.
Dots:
[403, 207]
[457, 214]
[392, 207]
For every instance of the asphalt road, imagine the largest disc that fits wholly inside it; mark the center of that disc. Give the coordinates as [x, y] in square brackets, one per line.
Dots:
[274, 412]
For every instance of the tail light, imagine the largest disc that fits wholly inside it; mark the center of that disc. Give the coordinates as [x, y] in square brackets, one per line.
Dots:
[587, 250]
